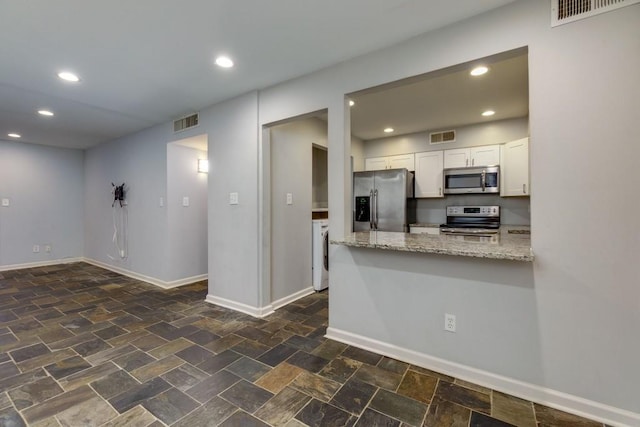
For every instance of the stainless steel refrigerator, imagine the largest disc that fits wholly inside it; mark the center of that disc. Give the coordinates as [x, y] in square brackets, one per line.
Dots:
[380, 200]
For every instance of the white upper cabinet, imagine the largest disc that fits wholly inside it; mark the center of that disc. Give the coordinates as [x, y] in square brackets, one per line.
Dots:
[390, 162]
[457, 158]
[406, 161]
[487, 155]
[428, 179]
[515, 168]
[376, 163]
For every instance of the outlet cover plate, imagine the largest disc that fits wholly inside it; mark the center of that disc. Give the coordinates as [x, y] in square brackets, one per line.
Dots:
[233, 198]
[449, 322]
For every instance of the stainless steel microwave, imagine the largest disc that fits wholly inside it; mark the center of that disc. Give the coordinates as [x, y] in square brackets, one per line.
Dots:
[474, 180]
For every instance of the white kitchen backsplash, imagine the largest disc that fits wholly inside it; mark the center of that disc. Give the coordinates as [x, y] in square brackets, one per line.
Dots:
[513, 210]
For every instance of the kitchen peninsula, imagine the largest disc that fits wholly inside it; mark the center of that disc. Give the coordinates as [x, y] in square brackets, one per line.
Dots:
[509, 244]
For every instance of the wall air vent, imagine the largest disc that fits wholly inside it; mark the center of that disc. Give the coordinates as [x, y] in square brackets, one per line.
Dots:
[564, 11]
[443, 137]
[185, 123]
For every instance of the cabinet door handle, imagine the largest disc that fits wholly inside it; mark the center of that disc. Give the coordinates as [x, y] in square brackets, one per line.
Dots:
[466, 162]
[440, 191]
[473, 161]
[524, 188]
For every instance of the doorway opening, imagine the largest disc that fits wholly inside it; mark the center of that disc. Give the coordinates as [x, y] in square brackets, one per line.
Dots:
[186, 205]
[296, 193]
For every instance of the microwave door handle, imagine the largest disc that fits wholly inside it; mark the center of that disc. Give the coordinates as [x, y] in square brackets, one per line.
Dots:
[483, 179]
[371, 209]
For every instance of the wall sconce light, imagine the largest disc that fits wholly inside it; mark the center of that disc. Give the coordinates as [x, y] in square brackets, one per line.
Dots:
[203, 166]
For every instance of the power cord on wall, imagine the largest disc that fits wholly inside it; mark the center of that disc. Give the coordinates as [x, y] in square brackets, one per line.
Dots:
[120, 223]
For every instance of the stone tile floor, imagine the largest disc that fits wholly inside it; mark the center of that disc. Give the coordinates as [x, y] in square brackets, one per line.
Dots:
[83, 346]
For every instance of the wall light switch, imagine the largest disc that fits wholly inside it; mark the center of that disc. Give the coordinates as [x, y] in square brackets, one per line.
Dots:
[185, 201]
[161, 202]
[233, 198]
[289, 198]
[5, 203]
[36, 249]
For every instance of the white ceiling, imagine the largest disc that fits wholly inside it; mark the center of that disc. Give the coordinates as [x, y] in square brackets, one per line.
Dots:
[445, 99]
[146, 62]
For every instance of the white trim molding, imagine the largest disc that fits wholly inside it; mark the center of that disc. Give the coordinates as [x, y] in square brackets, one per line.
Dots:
[258, 311]
[293, 297]
[40, 264]
[535, 393]
[238, 306]
[152, 280]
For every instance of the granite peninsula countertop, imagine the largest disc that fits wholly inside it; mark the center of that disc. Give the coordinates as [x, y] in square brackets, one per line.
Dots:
[504, 245]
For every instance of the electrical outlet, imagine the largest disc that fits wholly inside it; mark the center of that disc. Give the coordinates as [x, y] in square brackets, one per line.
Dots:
[289, 198]
[233, 198]
[5, 203]
[161, 203]
[449, 322]
[185, 201]
[36, 249]
[47, 248]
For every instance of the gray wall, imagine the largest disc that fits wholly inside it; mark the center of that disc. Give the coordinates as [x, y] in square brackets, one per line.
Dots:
[291, 172]
[140, 161]
[320, 183]
[187, 226]
[44, 186]
[357, 152]
[584, 301]
[497, 132]
[232, 128]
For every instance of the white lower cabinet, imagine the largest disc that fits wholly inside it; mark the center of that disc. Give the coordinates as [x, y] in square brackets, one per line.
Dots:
[428, 178]
[514, 169]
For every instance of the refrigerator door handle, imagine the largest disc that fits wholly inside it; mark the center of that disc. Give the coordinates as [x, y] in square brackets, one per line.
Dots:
[371, 209]
[375, 194]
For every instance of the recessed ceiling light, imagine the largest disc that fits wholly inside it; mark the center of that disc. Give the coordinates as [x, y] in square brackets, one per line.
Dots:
[45, 113]
[488, 113]
[478, 71]
[14, 135]
[388, 130]
[351, 103]
[224, 62]
[70, 77]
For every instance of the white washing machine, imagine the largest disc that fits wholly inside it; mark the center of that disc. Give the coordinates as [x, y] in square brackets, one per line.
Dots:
[320, 254]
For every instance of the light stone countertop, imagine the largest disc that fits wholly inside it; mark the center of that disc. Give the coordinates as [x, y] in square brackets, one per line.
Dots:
[516, 247]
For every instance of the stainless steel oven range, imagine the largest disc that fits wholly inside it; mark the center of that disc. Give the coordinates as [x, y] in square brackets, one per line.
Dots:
[472, 220]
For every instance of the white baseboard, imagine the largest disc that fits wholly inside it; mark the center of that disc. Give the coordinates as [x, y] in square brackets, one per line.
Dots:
[535, 393]
[259, 311]
[40, 264]
[152, 280]
[291, 298]
[238, 306]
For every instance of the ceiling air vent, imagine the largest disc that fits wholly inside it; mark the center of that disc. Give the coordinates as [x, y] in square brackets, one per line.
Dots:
[442, 137]
[564, 11]
[185, 123]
